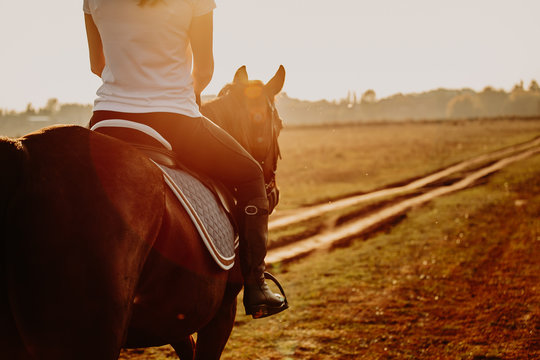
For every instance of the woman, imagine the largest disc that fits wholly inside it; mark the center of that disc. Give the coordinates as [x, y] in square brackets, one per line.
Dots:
[155, 58]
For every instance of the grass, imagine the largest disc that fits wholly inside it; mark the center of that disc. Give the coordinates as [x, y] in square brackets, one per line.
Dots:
[324, 163]
[457, 278]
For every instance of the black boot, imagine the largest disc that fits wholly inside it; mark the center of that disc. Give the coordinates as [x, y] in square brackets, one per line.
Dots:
[259, 301]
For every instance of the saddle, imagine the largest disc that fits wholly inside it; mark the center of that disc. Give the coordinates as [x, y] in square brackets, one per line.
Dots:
[208, 203]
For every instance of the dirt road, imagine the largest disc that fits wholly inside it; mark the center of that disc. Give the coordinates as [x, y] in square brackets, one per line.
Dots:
[475, 169]
[457, 279]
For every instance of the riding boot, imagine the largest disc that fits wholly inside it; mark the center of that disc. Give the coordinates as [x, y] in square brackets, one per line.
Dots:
[259, 300]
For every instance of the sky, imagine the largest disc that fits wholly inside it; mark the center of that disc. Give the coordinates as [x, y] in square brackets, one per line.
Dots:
[328, 48]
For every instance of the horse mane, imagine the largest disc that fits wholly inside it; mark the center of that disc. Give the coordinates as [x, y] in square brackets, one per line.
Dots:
[225, 90]
[12, 152]
[12, 158]
[223, 111]
[229, 87]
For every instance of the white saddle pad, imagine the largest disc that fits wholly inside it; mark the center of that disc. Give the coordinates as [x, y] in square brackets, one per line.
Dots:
[205, 211]
[207, 215]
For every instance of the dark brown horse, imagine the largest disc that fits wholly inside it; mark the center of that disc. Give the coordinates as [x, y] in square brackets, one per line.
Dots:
[96, 254]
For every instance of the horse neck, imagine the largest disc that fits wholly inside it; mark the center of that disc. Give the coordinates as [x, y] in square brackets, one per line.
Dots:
[223, 111]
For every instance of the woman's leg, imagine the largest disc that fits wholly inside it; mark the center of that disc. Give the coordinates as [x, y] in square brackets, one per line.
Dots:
[204, 147]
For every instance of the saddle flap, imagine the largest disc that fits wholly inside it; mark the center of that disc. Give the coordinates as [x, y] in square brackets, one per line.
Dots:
[208, 216]
[210, 211]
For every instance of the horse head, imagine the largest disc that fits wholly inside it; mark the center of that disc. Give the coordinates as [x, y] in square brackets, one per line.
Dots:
[246, 110]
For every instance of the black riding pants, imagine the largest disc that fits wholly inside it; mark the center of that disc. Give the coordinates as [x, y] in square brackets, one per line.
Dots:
[204, 147]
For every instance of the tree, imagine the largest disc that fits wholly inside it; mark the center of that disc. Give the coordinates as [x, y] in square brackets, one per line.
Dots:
[492, 102]
[462, 107]
[533, 87]
[518, 87]
[522, 103]
[30, 110]
[368, 97]
[51, 108]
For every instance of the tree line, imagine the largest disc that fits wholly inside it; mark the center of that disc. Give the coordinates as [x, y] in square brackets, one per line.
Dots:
[440, 104]
[13, 123]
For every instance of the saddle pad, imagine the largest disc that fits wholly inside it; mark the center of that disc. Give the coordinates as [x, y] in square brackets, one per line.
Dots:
[207, 214]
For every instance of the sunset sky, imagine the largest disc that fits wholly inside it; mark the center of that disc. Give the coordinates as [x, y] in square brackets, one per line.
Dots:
[327, 47]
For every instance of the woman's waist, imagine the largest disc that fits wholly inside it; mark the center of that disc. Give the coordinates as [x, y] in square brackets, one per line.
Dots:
[177, 102]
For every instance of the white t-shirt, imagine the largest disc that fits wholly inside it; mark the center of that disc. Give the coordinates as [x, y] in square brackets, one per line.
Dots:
[147, 55]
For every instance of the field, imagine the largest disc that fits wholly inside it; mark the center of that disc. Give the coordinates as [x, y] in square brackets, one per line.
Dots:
[325, 163]
[456, 278]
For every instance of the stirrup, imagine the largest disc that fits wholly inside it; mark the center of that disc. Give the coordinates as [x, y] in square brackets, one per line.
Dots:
[269, 276]
[263, 310]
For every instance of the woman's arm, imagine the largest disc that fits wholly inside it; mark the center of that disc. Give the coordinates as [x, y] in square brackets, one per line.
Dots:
[95, 47]
[201, 38]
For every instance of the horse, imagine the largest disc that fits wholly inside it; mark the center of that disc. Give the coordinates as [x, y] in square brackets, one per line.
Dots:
[96, 253]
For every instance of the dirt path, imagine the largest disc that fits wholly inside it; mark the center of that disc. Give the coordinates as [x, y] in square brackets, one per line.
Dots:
[303, 247]
[458, 279]
[305, 213]
[464, 289]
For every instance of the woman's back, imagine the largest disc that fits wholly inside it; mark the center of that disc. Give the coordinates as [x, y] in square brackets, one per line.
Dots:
[147, 55]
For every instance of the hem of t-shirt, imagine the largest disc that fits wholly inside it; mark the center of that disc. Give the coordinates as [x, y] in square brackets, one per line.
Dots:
[194, 113]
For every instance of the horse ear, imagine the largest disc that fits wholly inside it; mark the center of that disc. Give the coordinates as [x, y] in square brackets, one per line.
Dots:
[275, 84]
[241, 76]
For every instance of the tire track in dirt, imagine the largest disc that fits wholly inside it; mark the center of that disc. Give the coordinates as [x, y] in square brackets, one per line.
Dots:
[310, 212]
[354, 228]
